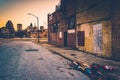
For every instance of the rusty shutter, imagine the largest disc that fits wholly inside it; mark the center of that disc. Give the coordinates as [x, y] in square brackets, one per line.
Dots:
[81, 38]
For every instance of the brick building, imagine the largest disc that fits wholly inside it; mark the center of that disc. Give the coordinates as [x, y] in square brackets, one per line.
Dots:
[69, 13]
[54, 27]
[61, 25]
[19, 27]
[4, 32]
[90, 26]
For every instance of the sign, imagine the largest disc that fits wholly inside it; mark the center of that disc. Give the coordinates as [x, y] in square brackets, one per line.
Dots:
[50, 17]
[60, 34]
[71, 31]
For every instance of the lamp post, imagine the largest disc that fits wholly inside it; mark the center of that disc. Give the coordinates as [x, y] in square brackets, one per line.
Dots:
[37, 22]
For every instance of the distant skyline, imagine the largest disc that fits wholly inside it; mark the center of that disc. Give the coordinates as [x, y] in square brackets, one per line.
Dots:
[17, 11]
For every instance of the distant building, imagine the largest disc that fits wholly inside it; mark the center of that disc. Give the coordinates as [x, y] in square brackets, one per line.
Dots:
[42, 33]
[35, 29]
[19, 27]
[30, 28]
[8, 30]
[34, 32]
[9, 25]
[4, 32]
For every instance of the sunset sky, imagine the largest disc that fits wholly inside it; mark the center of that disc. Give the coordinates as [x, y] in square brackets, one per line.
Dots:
[17, 11]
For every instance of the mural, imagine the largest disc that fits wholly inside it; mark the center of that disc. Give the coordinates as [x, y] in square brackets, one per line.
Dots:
[97, 33]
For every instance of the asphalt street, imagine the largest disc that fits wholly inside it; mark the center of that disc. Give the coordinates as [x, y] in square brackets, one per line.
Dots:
[24, 60]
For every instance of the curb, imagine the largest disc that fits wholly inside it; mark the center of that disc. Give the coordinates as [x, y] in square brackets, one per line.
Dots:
[74, 60]
[60, 54]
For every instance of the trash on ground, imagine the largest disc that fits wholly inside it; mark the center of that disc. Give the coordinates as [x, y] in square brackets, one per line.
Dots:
[98, 67]
[94, 71]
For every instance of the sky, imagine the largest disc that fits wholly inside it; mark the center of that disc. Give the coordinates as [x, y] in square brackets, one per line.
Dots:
[17, 11]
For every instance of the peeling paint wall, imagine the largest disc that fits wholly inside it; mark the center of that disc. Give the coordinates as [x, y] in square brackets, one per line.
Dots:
[107, 37]
[96, 22]
[87, 28]
[99, 44]
[97, 38]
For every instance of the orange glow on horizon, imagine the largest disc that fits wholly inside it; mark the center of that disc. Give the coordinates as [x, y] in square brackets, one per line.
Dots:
[18, 12]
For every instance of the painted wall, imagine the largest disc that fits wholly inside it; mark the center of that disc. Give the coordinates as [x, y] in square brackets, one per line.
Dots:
[88, 46]
[107, 38]
[97, 40]
[93, 19]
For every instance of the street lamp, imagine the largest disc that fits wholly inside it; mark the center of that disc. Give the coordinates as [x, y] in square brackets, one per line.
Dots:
[37, 22]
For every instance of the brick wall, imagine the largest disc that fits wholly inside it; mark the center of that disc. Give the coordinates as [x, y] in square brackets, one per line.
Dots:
[116, 30]
[88, 15]
[93, 11]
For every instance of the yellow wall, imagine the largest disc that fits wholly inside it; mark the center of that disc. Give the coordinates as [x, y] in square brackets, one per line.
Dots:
[107, 32]
[88, 37]
[89, 41]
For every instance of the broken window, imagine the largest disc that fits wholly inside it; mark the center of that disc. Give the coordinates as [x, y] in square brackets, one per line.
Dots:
[71, 22]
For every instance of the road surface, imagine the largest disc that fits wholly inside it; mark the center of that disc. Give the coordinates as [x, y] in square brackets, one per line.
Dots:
[23, 60]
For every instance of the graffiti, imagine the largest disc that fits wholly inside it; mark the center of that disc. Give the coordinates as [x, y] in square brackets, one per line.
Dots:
[97, 33]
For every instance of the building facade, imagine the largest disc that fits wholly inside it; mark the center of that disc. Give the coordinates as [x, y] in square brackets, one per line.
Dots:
[4, 32]
[95, 27]
[53, 27]
[90, 26]
[8, 30]
[10, 26]
[61, 25]
[19, 27]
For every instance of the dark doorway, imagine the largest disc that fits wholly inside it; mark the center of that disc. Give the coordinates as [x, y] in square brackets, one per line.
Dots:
[65, 39]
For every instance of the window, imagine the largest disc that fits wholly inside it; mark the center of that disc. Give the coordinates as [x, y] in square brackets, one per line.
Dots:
[56, 27]
[71, 22]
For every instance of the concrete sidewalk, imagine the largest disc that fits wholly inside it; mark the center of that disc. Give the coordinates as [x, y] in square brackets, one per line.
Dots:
[87, 58]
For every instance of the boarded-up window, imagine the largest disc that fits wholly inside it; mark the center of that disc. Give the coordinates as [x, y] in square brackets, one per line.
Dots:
[81, 38]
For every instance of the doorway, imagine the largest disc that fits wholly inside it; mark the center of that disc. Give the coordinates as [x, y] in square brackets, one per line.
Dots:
[65, 39]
